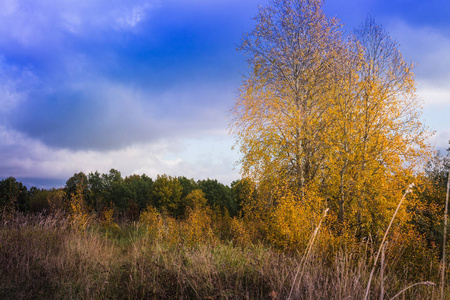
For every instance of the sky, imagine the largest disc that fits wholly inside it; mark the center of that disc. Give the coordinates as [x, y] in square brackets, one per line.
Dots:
[147, 86]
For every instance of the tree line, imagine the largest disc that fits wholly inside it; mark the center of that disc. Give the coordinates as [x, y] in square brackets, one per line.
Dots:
[128, 196]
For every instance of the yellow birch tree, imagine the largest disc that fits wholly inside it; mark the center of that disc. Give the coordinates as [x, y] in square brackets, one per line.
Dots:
[322, 121]
[280, 116]
[378, 140]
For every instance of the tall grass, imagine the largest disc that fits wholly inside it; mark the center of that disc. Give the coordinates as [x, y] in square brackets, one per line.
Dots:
[382, 245]
[43, 257]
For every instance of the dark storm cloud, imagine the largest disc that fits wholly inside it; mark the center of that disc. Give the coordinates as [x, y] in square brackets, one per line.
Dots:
[106, 116]
[110, 79]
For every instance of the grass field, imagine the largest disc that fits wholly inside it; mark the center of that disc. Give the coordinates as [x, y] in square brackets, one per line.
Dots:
[43, 256]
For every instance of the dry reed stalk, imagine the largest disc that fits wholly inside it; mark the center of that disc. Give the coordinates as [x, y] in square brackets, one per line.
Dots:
[383, 265]
[428, 283]
[444, 239]
[306, 255]
[408, 190]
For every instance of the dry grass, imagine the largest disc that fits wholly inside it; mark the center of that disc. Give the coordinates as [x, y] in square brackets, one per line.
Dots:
[41, 257]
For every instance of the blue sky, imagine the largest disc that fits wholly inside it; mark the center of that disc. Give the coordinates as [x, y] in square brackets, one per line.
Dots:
[146, 86]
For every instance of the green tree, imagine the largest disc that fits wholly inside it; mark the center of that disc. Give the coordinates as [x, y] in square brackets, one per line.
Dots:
[140, 188]
[72, 184]
[188, 185]
[166, 195]
[38, 200]
[116, 192]
[96, 186]
[218, 195]
[13, 194]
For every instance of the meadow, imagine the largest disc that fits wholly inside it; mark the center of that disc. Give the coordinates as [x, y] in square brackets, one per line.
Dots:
[205, 256]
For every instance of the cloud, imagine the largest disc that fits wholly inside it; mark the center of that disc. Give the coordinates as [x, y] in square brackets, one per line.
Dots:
[14, 81]
[428, 48]
[441, 141]
[144, 86]
[31, 22]
[197, 158]
[434, 94]
[106, 115]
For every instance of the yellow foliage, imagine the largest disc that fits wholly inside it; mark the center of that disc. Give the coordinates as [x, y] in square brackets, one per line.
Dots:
[292, 222]
[161, 227]
[325, 116]
[78, 211]
[171, 231]
[108, 220]
[198, 226]
[196, 199]
[408, 249]
[151, 219]
[240, 233]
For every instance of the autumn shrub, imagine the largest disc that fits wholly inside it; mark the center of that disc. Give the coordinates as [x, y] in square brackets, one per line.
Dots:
[240, 232]
[197, 228]
[151, 219]
[107, 220]
[132, 212]
[79, 214]
[256, 216]
[171, 231]
[409, 253]
[196, 198]
[292, 223]
[221, 224]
